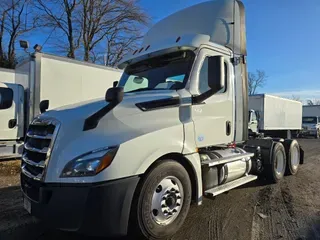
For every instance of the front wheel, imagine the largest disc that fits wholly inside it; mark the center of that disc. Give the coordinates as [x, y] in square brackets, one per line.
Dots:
[162, 201]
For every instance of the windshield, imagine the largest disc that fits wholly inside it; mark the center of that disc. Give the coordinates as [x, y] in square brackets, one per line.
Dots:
[170, 71]
[309, 120]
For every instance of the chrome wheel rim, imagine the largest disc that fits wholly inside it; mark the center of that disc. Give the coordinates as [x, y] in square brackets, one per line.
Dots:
[279, 163]
[295, 158]
[167, 200]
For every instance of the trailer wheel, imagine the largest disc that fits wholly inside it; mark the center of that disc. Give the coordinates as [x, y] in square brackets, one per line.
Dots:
[161, 202]
[293, 157]
[275, 171]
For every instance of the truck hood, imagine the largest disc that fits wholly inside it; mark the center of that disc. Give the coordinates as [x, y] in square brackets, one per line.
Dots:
[124, 125]
[309, 125]
[80, 111]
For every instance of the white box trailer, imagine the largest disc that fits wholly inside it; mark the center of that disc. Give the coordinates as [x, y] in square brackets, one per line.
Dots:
[276, 114]
[7, 75]
[60, 80]
[311, 111]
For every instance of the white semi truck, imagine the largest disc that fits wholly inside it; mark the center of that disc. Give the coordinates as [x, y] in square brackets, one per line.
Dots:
[311, 121]
[174, 130]
[44, 77]
[274, 116]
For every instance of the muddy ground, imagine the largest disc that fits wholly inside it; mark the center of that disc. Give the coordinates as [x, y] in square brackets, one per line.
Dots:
[288, 210]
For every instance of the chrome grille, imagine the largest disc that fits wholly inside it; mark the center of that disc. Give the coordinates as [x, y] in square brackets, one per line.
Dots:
[37, 147]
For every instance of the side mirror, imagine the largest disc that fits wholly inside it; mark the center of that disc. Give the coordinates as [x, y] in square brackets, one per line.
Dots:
[44, 105]
[114, 94]
[115, 83]
[216, 73]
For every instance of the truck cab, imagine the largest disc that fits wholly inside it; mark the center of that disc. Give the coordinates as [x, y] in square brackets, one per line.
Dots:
[311, 126]
[11, 119]
[172, 131]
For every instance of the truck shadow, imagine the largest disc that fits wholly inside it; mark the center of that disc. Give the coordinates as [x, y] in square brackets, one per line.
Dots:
[260, 182]
[313, 230]
[16, 223]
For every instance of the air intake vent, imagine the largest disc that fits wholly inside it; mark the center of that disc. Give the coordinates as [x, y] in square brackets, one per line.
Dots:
[37, 147]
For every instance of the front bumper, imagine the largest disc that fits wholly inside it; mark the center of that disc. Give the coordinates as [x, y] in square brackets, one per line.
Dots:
[101, 209]
[311, 132]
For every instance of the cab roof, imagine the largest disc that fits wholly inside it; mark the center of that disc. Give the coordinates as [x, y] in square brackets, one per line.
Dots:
[219, 22]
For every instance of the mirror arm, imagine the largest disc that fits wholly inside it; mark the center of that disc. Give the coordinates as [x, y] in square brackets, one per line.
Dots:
[199, 99]
[92, 121]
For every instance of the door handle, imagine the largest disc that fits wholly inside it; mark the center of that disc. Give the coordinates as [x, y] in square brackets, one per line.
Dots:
[228, 128]
[12, 123]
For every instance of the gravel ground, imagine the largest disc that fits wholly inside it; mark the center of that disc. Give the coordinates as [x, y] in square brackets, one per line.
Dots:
[288, 210]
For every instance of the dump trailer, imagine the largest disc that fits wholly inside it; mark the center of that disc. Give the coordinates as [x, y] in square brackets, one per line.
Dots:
[274, 116]
[173, 130]
[57, 81]
[311, 121]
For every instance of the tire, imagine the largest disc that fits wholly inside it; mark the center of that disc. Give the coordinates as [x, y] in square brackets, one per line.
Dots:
[293, 157]
[165, 190]
[276, 170]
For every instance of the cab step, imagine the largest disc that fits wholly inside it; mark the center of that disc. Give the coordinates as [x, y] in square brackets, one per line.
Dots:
[228, 186]
[218, 161]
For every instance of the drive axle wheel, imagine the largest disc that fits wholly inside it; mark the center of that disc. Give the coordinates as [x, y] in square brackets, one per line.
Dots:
[293, 157]
[275, 171]
[161, 202]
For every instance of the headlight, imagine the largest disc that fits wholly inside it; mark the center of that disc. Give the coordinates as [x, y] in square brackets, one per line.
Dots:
[89, 164]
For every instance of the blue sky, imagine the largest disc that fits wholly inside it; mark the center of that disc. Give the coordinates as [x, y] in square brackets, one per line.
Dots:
[283, 39]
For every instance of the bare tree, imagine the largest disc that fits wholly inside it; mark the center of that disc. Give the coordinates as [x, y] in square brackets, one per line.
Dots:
[16, 20]
[111, 27]
[4, 8]
[296, 98]
[256, 80]
[313, 102]
[61, 16]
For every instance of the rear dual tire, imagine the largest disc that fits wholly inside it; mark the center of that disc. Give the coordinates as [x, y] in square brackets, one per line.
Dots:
[293, 157]
[276, 170]
[162, 201]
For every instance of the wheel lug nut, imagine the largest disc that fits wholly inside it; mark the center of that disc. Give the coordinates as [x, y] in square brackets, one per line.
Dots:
[174, 210]
[165, 211]
[172, 189]
[170, 213]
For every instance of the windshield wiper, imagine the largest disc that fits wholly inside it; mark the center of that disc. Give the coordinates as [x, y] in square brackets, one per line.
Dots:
[146, 89]
[141, 89]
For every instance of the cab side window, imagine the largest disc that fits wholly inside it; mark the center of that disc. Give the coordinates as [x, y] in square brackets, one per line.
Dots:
[254, 117]
[6, 98]
[203, 77]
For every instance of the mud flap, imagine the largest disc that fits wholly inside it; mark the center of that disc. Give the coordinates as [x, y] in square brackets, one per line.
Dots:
[301, 155]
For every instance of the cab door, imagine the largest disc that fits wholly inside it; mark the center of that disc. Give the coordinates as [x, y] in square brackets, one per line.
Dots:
[213, 118]
[11, 111]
